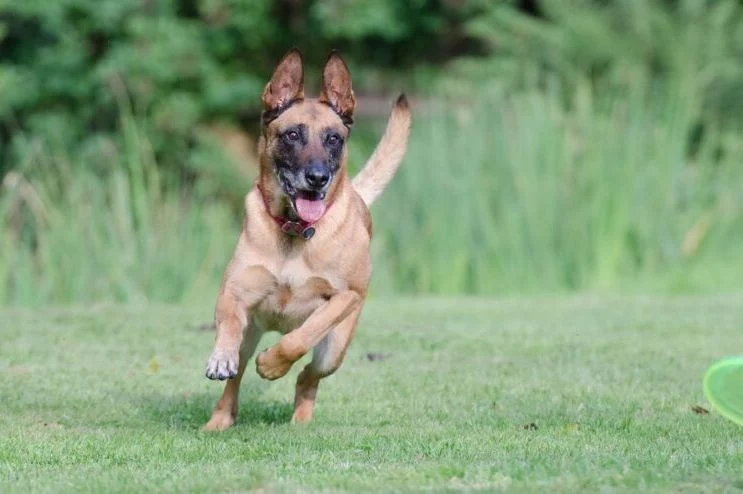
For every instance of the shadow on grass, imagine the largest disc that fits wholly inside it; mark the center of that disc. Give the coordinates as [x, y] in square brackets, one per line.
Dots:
[193, 410]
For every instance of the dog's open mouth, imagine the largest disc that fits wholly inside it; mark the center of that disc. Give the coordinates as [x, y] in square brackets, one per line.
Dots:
[309, 205]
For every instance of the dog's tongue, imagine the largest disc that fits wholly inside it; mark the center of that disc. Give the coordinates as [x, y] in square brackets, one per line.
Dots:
[309, 211]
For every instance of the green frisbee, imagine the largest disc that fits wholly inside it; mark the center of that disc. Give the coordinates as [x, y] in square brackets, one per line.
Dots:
[723, 385]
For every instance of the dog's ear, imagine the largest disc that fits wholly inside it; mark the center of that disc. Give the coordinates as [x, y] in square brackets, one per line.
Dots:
[336, 86]
[286, 84]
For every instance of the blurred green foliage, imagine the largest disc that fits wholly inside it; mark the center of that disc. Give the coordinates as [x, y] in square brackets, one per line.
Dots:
[576, 145]
[612, 42]
[66, 66]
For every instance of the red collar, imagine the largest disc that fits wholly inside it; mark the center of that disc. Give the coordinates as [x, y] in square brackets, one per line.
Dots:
[294, 228]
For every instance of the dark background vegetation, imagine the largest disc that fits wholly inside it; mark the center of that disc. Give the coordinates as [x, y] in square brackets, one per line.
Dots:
[134, 121]
[188, 63]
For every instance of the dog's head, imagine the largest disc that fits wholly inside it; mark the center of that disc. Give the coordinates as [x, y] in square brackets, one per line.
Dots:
[303, 146]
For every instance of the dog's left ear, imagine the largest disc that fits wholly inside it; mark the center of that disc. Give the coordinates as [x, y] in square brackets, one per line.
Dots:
[336, 87]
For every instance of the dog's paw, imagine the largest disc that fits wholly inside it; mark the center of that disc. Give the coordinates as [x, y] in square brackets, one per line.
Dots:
[222, 365]
[270, 364]
[302, 415]
[219, 422]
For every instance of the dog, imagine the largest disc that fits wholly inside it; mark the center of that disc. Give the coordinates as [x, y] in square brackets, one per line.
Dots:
[302, 263]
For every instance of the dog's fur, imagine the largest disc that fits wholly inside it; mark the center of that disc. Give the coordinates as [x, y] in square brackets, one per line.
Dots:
[312, 291]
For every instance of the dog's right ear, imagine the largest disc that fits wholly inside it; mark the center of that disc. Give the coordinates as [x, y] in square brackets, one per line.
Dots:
[287, 82]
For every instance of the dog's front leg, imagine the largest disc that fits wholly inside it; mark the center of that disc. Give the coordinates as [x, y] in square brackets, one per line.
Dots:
[240, 293]
[276, 361]
[236, 338]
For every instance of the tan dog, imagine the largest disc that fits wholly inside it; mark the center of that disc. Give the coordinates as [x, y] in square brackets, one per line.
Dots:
[301, 266]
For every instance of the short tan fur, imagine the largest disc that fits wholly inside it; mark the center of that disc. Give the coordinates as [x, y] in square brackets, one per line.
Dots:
[311, 291]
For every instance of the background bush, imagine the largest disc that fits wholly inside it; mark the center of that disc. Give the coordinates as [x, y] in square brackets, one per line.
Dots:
[577, 145]
[188, 64]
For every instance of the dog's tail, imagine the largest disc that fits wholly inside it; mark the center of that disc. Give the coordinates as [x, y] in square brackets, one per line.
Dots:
[386, 158]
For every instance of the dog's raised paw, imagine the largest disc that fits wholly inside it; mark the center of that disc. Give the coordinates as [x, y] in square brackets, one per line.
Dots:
[222, 365]
[271, 365]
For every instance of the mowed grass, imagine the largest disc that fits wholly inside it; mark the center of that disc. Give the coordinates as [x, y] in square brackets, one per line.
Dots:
[111, 399]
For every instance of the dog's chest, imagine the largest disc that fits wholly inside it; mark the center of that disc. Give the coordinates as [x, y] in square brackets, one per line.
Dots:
[293, 273]
[298, 292]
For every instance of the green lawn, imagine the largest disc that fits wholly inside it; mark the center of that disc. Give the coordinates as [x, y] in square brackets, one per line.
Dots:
[111, 399]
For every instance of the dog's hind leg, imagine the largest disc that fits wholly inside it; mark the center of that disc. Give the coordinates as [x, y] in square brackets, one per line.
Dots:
[326, 358]
[225, 413]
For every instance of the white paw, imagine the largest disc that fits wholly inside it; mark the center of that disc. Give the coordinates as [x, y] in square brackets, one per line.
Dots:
[222, 365]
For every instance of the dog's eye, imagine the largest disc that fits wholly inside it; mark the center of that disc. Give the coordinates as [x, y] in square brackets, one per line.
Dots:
[292, 135]
[333, 139]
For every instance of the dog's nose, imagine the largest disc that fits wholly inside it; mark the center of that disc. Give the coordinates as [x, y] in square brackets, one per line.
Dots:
[317, 175]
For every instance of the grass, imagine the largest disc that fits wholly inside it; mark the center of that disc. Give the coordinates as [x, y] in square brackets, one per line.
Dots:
[74, 232]
[521, 193]
[532, 195]
[110, 399]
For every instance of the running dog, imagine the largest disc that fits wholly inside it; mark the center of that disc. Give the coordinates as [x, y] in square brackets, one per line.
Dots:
[302, 265]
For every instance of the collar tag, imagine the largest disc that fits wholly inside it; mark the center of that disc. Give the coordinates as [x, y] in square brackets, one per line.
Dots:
[296, 229]
[308, 232]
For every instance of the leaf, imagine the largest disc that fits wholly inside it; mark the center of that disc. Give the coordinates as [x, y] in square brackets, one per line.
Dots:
[376, 357]
[153, 366]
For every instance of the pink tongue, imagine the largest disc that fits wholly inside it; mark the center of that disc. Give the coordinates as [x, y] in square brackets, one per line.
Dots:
[309, 211]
